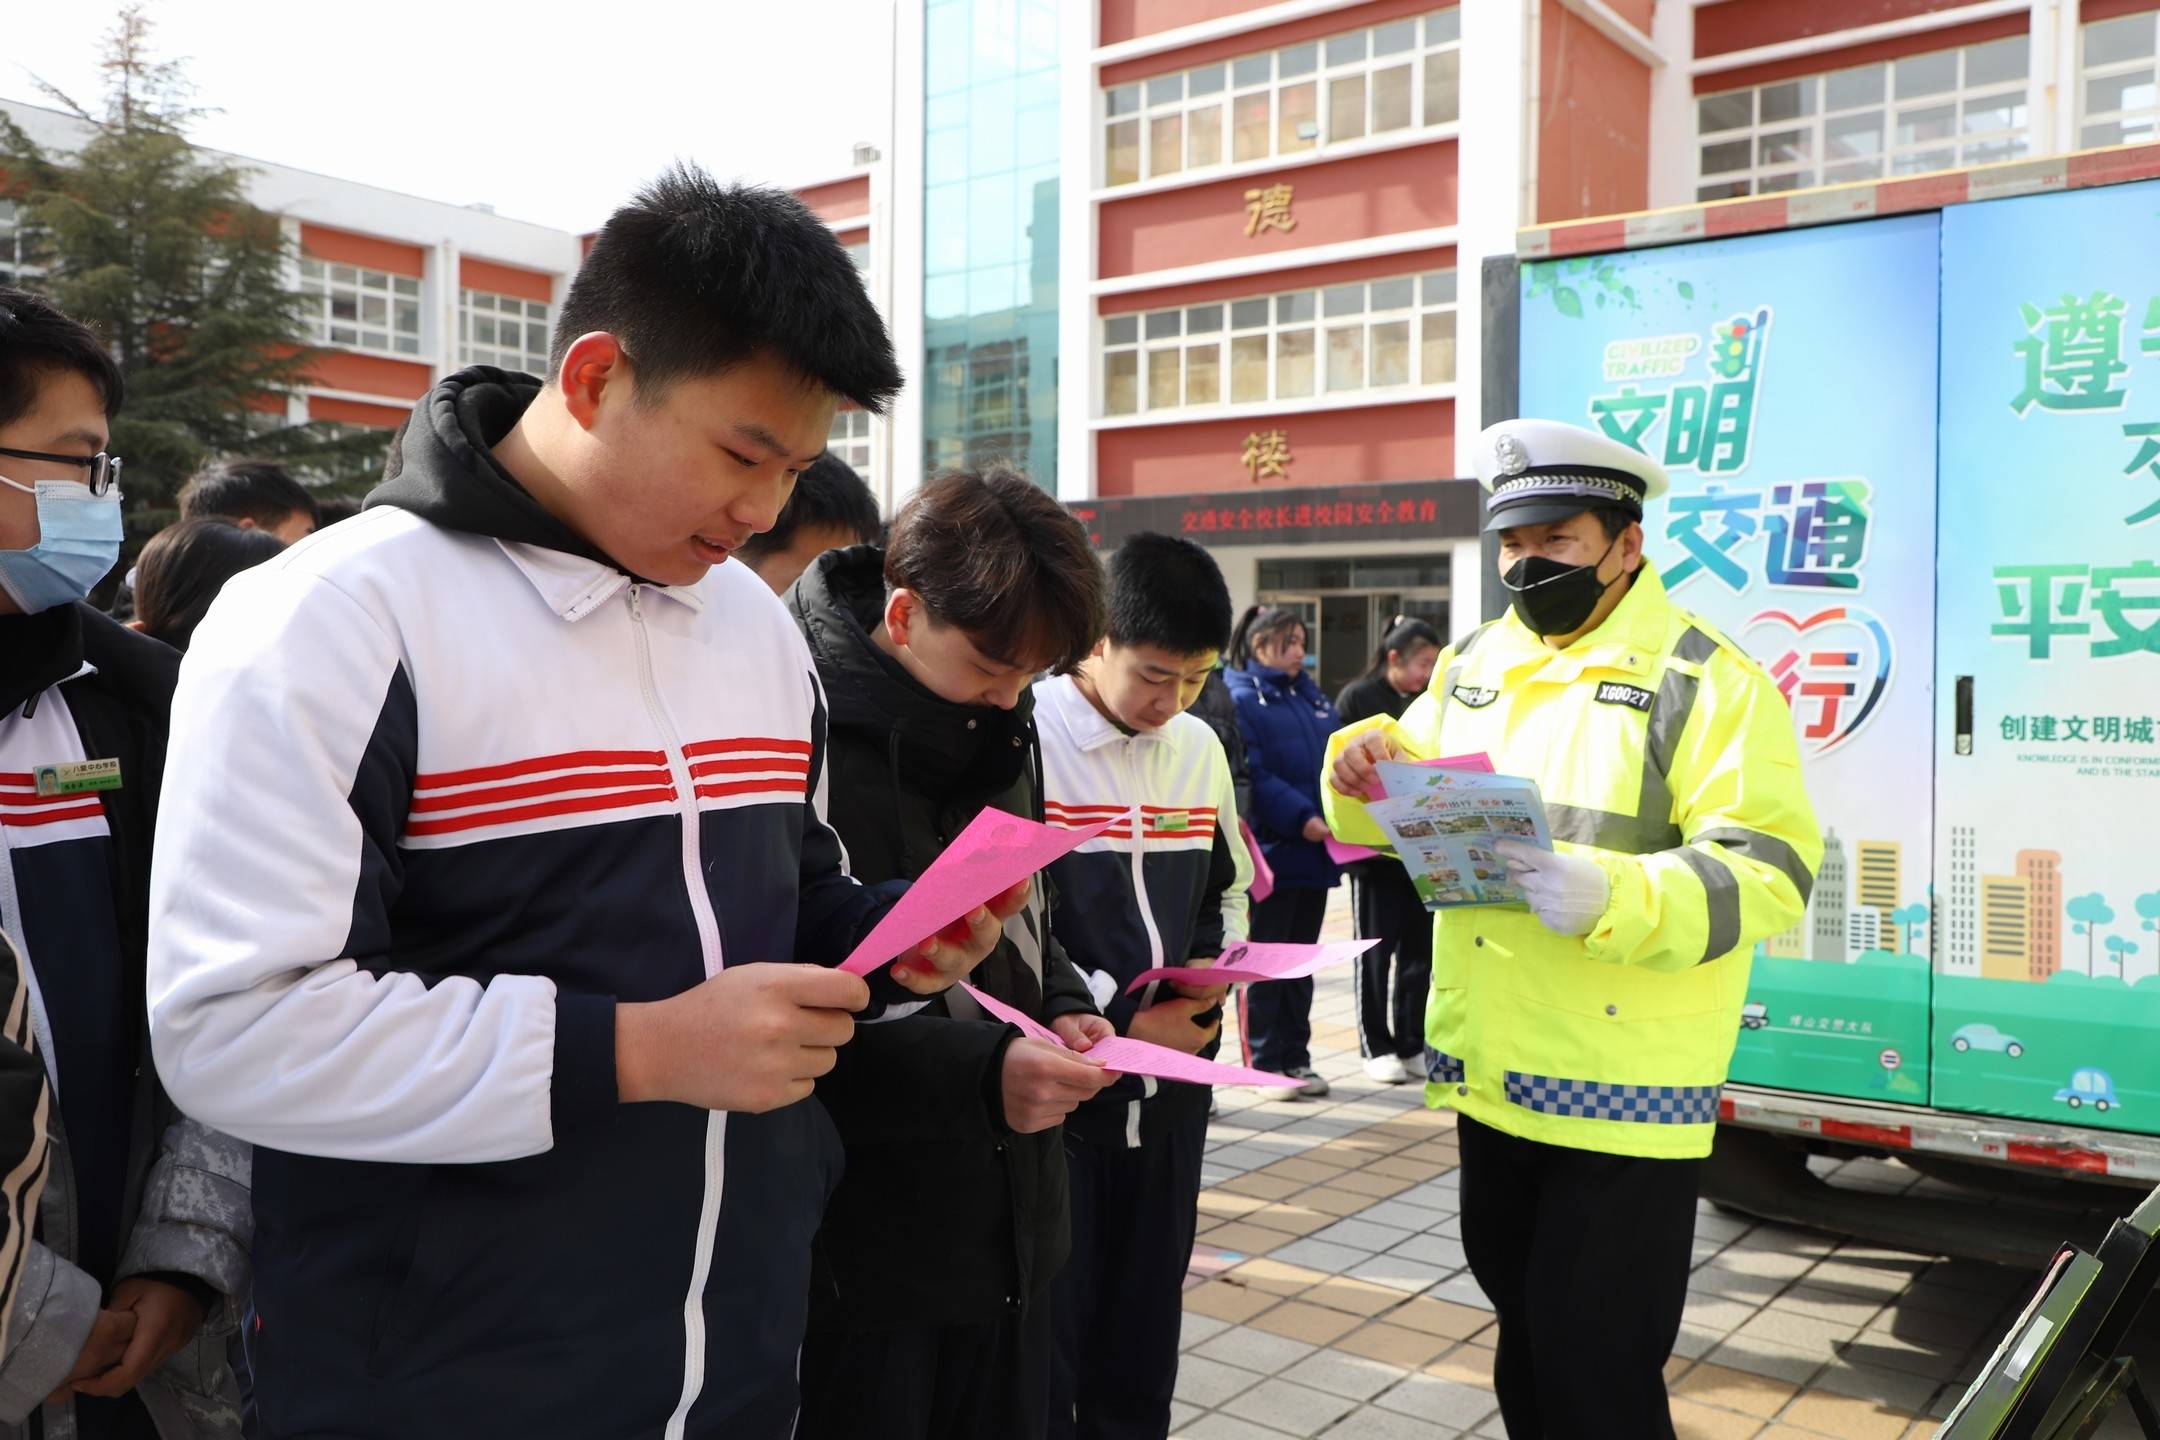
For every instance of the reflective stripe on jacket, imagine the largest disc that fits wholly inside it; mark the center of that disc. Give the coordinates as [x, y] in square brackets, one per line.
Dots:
[1668, 755]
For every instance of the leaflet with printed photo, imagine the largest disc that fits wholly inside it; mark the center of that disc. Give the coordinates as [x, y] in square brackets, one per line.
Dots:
[1442, 824]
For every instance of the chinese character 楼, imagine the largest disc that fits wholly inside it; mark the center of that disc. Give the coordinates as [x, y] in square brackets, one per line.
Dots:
[2071, 364]
[1266, 454]
[1268, 208]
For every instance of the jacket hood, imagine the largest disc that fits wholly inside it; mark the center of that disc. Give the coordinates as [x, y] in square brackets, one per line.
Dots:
[1266, 681]
[442, 465]
[977, 750]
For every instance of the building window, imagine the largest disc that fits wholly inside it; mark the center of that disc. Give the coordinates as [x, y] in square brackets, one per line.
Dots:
[1400, 76]
[502, 330]
[859, 252]
[850, 441]
[361, 309]
[1900, 117]
[1364, 336]
[2119, 104]
[19, 247]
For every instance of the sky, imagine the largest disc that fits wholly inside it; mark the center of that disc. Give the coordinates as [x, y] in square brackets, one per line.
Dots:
[548, 111]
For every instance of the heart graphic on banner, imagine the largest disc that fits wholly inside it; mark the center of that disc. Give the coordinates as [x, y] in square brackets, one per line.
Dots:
[1833, 671]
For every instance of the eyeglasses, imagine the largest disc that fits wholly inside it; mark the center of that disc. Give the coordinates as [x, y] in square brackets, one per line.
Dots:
[104, 469]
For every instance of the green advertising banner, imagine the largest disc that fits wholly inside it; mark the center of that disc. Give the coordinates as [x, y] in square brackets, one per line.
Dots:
[1788, 384]
[2048, 883]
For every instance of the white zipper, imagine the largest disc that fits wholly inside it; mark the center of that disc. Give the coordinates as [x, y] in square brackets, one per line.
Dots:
[708, 926]
[11, 920]
[1149, 1085]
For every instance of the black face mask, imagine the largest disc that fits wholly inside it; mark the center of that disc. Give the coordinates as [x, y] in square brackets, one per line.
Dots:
[1556, 599]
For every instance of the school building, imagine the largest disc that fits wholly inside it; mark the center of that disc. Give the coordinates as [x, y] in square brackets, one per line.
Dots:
[1215, 266]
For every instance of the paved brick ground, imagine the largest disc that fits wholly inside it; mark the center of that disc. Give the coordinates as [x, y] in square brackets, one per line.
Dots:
[1328, 1295]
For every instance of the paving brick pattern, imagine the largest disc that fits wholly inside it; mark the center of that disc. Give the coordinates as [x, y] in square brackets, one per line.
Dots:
[1329, 1297]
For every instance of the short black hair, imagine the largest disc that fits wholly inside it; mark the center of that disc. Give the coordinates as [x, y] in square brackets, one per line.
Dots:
[36, 340]
[996, 555]
[331, 509]
[1614, 520]
[184, 567]
[1167, 592]
[829, 495]
[259, 490]
[694, 277]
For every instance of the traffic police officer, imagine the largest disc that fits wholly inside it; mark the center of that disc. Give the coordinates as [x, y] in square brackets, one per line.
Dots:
[1584, 1042]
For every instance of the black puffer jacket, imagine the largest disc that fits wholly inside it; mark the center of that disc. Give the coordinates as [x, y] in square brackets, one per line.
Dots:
[917, 1101]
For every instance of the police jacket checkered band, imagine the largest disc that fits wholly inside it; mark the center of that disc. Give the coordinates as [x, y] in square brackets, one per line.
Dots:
[1593, 1100]
[1442, 1068]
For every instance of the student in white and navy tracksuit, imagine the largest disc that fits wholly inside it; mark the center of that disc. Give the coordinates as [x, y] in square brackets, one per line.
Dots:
[1164, 885]
[464, 799]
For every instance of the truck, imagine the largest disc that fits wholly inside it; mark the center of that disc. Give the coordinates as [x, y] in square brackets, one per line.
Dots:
[1913, 432]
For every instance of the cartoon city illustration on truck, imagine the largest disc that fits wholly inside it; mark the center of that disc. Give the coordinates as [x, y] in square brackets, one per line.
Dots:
[1994, 987]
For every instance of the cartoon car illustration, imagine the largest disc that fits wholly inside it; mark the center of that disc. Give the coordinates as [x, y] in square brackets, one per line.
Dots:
[2093, 1085]
[1986, 1037]
[1754, 1015]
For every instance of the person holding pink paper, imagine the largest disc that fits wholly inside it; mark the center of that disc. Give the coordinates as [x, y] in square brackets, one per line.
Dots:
[950, 1117]
[1165, 884]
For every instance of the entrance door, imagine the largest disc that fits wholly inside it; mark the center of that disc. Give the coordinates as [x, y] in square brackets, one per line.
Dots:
[1345, 640]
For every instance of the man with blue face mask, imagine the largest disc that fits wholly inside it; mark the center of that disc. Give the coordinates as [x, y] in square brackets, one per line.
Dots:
[143, 1231]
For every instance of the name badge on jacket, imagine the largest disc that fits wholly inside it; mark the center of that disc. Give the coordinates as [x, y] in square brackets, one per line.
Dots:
[1612, 692]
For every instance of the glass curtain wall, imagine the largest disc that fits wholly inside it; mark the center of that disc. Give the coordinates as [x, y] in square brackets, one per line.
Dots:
[990, 235]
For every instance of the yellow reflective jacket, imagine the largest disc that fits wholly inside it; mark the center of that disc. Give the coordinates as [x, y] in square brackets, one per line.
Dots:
[1667, 755]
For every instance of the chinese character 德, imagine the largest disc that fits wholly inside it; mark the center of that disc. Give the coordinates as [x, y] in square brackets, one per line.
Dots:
[1268, 208]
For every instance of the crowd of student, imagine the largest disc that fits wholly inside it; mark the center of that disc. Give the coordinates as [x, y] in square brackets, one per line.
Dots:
[422, 1011]
[484, 866]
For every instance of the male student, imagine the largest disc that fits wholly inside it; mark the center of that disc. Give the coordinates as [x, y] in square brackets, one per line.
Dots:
[951, 1120]
[253, 494]
[497, 813]
[831, 508]
[142, 1234]
[1163, 886]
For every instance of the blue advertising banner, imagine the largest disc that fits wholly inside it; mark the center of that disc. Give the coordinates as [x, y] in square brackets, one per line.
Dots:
[1788, 384]
[2048, 984]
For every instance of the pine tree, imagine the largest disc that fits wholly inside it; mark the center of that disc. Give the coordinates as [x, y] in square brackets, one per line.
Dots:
[153, 243]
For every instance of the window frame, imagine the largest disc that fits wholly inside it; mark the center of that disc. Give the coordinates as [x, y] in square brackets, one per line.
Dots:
[468, 349]
[328, 280]
[1317, 312]
[1892, 158]
[1170, 96]
[2088, 72]
[850, 440]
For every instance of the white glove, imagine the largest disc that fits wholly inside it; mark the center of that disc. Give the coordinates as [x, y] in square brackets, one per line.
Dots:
[1568, 893]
